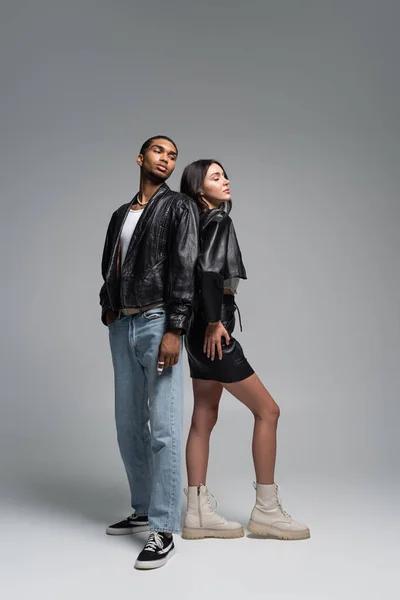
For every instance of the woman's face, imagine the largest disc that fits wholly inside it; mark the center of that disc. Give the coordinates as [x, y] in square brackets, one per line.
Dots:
[215, 187]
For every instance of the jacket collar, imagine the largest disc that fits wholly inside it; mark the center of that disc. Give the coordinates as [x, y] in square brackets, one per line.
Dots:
[147, 212]
[208, 215]
[163, 188]
[226, 206]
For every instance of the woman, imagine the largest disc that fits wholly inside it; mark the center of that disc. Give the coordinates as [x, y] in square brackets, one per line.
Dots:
[217, 362]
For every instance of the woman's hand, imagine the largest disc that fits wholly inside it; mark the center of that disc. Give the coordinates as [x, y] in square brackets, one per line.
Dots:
[212, 339]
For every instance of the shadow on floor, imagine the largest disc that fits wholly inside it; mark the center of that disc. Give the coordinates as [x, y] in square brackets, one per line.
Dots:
[97, 501]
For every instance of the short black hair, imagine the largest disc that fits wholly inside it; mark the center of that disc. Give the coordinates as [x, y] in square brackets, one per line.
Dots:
[146, 145]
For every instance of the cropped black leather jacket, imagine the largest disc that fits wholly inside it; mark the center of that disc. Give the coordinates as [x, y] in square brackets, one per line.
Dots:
[160, 262]
[219, 259]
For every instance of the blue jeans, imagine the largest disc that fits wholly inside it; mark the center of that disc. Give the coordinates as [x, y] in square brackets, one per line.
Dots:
[152, 455]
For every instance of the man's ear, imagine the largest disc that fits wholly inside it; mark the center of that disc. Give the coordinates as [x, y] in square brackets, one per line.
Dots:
[139, 160]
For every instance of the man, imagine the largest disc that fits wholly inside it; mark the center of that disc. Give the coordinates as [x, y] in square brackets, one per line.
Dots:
[148, 267]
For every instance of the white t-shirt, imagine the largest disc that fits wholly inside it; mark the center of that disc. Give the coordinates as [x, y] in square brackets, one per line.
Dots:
[127, 231]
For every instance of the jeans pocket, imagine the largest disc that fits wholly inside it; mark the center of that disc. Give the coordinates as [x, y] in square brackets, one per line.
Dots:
[119, 318]
[113, 322]
[153, 314]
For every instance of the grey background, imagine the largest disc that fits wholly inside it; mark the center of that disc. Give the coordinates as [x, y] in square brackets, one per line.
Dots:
[299, 100]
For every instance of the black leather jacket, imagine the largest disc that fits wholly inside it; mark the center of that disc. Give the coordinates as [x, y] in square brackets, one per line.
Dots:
[160, 261]
[219, 259]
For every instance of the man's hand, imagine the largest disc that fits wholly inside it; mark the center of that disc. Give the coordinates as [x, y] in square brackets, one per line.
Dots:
[212, 339]
[111, 316]
[168, 354]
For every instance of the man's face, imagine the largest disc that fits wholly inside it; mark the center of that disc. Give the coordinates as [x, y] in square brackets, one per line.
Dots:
[159, 160]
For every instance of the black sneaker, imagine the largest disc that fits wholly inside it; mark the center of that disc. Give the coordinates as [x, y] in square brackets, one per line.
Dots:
[158, 549]
[132, 524]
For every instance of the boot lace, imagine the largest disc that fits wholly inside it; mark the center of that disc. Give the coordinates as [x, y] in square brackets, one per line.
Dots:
[209, 494]
[154, 542]
[214, 508]
[278, 499]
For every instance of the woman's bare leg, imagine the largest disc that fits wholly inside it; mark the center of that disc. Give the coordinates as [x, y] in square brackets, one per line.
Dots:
[207, 395]
[201, 520]
[252, 393]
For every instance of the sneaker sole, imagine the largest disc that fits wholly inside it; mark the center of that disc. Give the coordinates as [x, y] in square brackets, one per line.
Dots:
[192, 533]
[127, 530]
[154, 564]
[268, 530]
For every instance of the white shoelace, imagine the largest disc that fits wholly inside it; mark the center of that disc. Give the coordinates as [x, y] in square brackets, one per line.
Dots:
[209, 494]
[154, 542]
[186, 491]
[278, 498]
[213, 508]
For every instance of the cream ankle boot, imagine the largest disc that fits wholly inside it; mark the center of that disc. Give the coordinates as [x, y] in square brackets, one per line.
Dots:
[201, 520]
[269, 518]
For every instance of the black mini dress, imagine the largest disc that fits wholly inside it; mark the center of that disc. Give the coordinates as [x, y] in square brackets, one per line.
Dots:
[219, 259]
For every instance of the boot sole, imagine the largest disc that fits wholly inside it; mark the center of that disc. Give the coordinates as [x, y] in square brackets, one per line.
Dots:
[192, 533]
[268, 530]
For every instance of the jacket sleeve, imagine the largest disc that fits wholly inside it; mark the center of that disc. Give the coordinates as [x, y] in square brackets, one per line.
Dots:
[104, 297]
[211, 265]
[184, 251]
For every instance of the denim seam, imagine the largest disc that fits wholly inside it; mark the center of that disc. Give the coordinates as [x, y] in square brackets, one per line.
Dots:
[173, 448]
[171, 524]
[173, 412]
[145, 399]
[133, 346]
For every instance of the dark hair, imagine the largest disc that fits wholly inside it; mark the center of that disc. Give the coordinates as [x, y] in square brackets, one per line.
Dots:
[146, 145]
[193, 177]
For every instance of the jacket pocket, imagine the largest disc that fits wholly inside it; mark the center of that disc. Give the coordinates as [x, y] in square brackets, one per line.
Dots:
[156, 267]
[152, 283]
